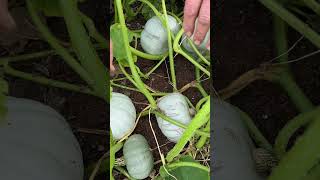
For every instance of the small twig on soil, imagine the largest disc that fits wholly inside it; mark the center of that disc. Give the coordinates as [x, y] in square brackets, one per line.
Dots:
[93, 131]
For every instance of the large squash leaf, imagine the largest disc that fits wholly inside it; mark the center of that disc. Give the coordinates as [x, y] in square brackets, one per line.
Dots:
[185, 173]
[118, 44]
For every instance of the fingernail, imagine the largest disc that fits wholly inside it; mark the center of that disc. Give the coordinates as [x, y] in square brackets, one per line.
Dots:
[188, 34]
[197, 42]
[208, 48]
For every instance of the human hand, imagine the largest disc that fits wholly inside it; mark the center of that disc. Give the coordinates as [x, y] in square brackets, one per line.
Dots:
[6, 21]
[194, 9]
[112, 69]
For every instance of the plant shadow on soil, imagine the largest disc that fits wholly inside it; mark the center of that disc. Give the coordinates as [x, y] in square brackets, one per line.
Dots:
[243, 39]
[81, 111]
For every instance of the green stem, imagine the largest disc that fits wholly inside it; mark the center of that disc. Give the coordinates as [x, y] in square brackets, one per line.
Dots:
[197, 52]
[31, 56]
[113, 150]
[198, 121]
[178, 49]
[54, 43]
[200, 102]
[314, 174]
[293, 21]
[83, 47]
[145, 55]
[303, 156]
[254, 132]
[314, 5]
[174, 122]
[187, 164]
[124, 172]
[171, 60]
[198, 85]
[124, 87]
[286, 80]
[45, 81]
[202, 141]
[140, 85]
[156, 66]
[286, 132]
[92, 29]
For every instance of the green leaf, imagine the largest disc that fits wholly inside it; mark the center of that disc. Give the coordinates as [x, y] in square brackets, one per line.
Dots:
[118, 44]
[147, 11]
[185, 173]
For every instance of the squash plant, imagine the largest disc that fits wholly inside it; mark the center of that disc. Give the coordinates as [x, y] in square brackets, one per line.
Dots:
[81, 55]
[301, 161]
[161, 40]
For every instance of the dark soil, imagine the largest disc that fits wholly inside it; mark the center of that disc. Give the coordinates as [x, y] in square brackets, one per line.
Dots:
[159, 81]
[243, 39]
[81, 111]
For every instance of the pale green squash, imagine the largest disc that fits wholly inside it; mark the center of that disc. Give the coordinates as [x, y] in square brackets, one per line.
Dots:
[175, 106]
[138, 157]
[122, 115]
[154, 38]
[37, 143]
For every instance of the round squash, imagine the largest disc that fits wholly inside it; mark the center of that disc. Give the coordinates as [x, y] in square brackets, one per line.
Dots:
[122, 115]
[233, 146]
[138, 157]
[37, 143]
[175, 106]
[154, 38]
[202, 47]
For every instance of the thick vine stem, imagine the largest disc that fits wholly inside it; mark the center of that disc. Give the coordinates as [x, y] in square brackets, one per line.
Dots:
[83, 47]
[140, 85]
[202, 141]
[45, 81]
[178, 49]
[198, 121]
[33, 56]
[286, 80]
[54, 43]
[188, 164]
[92, 29]
[171, 60]
[113, 150]
[286, 132]
[145, 55]
[254, 132]
[292, 20]
[314, 5]
[174, 122]
[302, 157]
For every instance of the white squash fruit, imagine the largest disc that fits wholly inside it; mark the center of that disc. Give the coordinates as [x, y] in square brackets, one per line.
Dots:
[232, 145]
[122, 115]
[138, 157]
[37, 143]
[154, 38]
[202, 47]
[175, 106]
